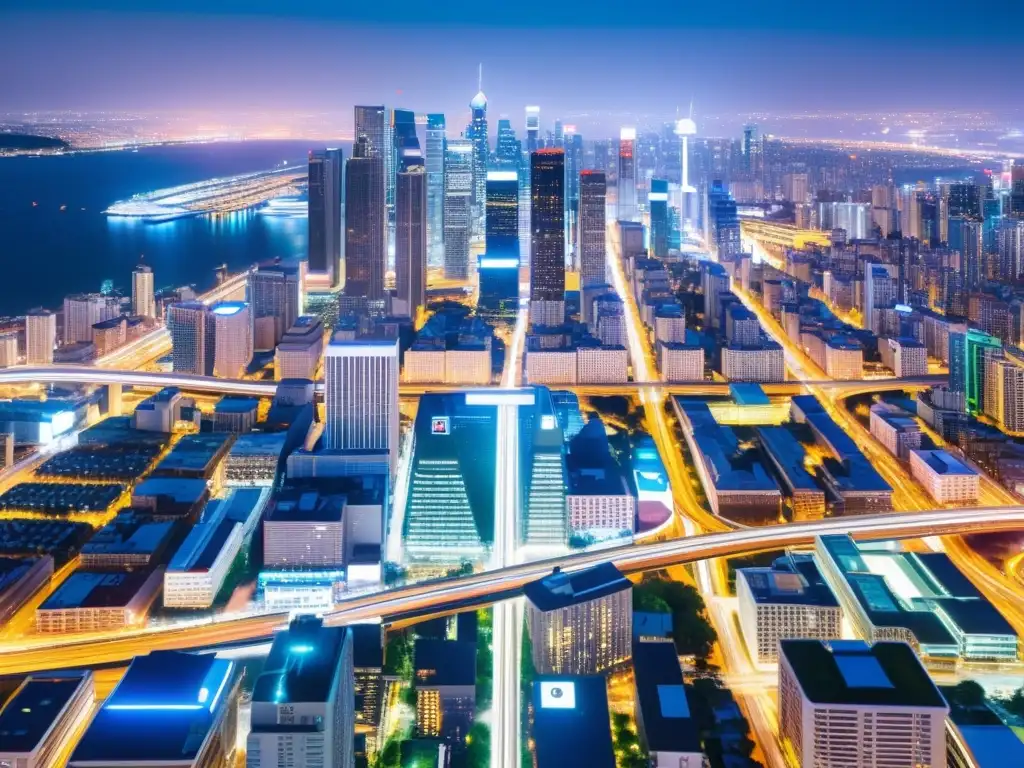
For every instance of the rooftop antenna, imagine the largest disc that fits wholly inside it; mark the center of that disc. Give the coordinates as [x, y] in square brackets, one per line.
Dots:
[480, 78]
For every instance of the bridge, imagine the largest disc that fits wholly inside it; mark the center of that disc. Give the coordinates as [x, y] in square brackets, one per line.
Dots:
[117, 647]
[86, 374]
[784, 235]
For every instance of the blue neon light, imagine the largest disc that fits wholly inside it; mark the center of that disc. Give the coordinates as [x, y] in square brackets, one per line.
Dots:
[301, 648]
[223, 682]
[152, 707]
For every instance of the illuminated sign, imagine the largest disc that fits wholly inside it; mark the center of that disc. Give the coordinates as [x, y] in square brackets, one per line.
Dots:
[558, 695]
[502, 176]
[486, 263]
[903, 308]
[500, 397]
[547, 421]
[439, 425]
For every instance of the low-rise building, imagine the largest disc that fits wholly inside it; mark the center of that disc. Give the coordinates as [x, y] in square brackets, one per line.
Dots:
[20, 578]
[895, 429]
[946, 478]
[93, 601]
[786, 601]
[235, 414]
[130, 540]
[680, 362]
[108, 335]
[551, 366]
[164, 411]
[254, 460]
[571, 722]
[763, 363]
[845, 703]
[789, 460]
[600, 503]
[198, 569]
[668, 732]
[42, 716]
[445, 678]
[844, 358]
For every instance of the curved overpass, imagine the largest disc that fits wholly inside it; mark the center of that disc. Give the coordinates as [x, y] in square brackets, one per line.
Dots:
[87, 374]
[49, 652]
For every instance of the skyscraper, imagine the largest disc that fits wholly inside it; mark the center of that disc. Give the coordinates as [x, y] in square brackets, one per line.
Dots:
[458, 198]
[547, 222]
[542, 473]
[532, 129]
[232, 339]
[435, 188]
[190, 326]
[303, 702]
[411, 238]
[40, 336]
[477, 133]
[657, 200]
[499, 266]
[507, 151]
[82, 311]
[627, 175]
[573, 144]
[373, 123]
[361, 396]
[143, 301]
[365, 224]
[593, 260]
[324, 223]
[274, 298]
[753, 152]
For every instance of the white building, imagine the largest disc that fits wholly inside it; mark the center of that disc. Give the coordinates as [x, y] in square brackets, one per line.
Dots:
[297, 534]
[844, 358]
[467, 366]
[93, 601]
[143, 300]
[298, 354]
[233, 342]
[669, 327]
[361, 395]
[551, 366]
[423, 366]
[8, 349]
[764, 364]
[680, 362]
[602, 365]
[82, 311]
[789, 600]
[946, 478]
[909, 358]
[40, 337]
[895, 429]
[44, 715]
[199, 567]
[847, 704]
[303, 703]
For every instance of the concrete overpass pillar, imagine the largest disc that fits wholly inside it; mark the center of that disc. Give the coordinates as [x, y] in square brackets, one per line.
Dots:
[114, 405]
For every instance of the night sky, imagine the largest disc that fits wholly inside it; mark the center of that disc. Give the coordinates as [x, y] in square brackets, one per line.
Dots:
[569, 56]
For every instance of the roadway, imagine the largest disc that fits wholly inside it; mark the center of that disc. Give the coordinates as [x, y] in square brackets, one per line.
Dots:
[42, 652]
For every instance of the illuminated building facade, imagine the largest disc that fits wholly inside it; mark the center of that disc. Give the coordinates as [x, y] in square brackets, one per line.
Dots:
[592, 228]
[458, 200]
[143, 303]
[191, 329]
[499, 265]
[542, 462]
[476, 132]
[580, 623]
[324, 223]
[547, 222]
[365, 222]
[657, 200]
[435, 187]
[967, 350]
[232, 334]
[627, 175]
[411, 240]
[40, 336]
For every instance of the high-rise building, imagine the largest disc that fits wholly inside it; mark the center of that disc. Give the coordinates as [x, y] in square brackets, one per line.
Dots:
[967, 350]
[657, 200]
[964, 200]
[476, 132]
[82, 311]
[572, 142]
[232, 338]
[1010, 245]
[365, 223]
[547, 221]
[542, 473]
[435, 188]
[499, 266]
[508, 151]
[274, 299]
[303, 702]
[411, 239]
[580, 623]
[721, 222]
[40, 336]
[458, 205]
[143, 301]
[373, 123]
[627, 175]
[532, 129]
[191, 328]
[361, 395]
[846, 703]
[324, 224]
[753, 152]
[592, 228]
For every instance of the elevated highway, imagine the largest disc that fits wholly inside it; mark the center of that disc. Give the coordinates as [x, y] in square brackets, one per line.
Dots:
[51, 652]
[783, 235]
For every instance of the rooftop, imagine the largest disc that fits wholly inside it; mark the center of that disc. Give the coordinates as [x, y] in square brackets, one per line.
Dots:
[302, 663]
[792, 579]
[33, 708]
[130, 533]
[202, 545]
[562, 589]
[944, 463]
[96, 589]
[571, 726]
[747, 393]
[664, 709]
[180, 489]
[232, 404]
[444, 662]
[885, 674]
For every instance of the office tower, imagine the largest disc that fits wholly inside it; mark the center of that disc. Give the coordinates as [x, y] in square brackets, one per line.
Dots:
[964, 200]
[879, 290]
[847, 703]
[972, 252]
[684, 129]
[143, 301]
[190, 326]
[476, 132]
[365, 223]
[1010, 245]
[8, 349]
[445, 674]
[303, 702]
[361, 395]
[508, 152]
[542, 473]
[274, 300]
[559, 134]
[532, 129]
[524, 211]
[411, 239]
[592, 228]
[714, 282]
[458, 204]
[435, 187]
[40, 336]
[753, 151]
[499, 266]
[1017, 191]
[627, 175]
[373, 123]
[722, 223]
[169, 708]
[298, 354]
[232, 335]
[967, 351]
[1004, 393]
[404, 140]
[658, 206]
[324, 224]
[449, 514]
[573, 144]
[82, 311]
[580, 623]
[547, 222]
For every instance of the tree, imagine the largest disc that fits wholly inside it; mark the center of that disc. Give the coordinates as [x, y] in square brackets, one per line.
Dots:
[478, 746]
[1015, 704]
[398, 656]
[645, 600]
[691, 631]
[970, 694]
[390, 756]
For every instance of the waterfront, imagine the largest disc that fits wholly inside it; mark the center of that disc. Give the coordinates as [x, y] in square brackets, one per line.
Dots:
[55, 240]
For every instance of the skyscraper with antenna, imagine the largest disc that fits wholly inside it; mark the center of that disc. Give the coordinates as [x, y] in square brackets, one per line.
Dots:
[477, 133]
